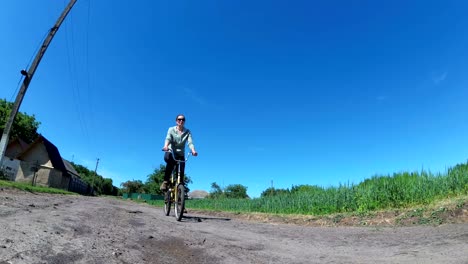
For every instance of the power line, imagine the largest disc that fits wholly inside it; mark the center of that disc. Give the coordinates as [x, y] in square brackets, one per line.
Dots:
[74, 80]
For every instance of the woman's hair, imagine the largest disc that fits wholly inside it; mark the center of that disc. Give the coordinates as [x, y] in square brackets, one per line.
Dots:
[178, 116]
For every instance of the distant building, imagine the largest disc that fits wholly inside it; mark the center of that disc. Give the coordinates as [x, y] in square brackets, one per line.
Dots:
[198, 194]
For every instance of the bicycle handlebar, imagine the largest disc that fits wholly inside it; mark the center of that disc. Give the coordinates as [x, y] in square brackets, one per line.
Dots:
[173, 156]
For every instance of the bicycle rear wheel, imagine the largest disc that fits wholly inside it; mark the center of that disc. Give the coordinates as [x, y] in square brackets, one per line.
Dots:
[179, 202]
[167, 202]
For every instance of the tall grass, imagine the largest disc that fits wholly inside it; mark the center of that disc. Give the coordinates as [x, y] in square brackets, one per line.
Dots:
[379, 192]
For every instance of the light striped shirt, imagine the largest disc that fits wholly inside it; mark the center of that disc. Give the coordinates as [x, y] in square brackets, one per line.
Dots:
[177, 140]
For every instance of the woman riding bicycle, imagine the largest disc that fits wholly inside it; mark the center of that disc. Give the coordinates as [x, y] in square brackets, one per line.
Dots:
[176, 139]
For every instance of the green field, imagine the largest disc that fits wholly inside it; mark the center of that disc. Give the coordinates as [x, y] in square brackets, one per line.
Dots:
[400, 190]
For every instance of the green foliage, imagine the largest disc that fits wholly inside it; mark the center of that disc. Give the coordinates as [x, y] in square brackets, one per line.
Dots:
[24, 125]
[273, 192]
[155, 179]
[102, 186]
[216, 191]
[399, 190]
[107, 187]
[3, 176]
[132, 186]
[235, 191]
[306, 189]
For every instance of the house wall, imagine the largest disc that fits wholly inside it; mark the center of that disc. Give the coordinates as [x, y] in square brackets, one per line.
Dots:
[25, 172]
[30, 171]
[38, 154]
[35, 166]
[44, 176]
[58, 180]
[11, 167]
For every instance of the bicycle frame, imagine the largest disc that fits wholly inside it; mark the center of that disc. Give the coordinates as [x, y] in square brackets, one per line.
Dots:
[176, 192]
[177, 180]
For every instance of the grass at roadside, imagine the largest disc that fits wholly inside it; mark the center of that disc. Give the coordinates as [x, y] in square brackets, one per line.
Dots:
[442, 211]
[400, 190]
[28, 187]
[401, 199]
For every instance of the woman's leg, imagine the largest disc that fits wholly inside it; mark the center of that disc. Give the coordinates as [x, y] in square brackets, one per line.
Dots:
[182, 171]
[170, 163]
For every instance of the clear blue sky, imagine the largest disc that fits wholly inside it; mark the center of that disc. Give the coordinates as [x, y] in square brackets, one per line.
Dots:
[276, 93]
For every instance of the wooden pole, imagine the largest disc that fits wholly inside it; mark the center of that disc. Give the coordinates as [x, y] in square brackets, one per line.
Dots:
[28, 75]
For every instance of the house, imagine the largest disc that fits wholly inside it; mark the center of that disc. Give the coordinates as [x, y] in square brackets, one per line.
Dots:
[11, 165]
[40, 164]
[16, 147]
[198, 194]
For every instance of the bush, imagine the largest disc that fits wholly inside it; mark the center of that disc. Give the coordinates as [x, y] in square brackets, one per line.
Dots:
[4, 176]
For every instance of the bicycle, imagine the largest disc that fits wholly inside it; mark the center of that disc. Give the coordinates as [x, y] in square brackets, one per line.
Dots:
[176, 191]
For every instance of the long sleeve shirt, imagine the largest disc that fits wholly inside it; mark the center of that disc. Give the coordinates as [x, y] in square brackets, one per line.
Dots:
[177, 140]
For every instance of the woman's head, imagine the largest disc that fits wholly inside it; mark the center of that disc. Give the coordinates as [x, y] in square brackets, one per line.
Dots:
[180, 119]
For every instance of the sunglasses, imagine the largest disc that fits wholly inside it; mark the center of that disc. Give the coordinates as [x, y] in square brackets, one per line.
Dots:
[181, 119]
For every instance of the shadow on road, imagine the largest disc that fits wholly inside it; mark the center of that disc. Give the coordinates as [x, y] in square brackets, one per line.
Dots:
[201, 219]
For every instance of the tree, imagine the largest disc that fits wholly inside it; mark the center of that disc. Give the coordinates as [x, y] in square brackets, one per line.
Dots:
[273, 192]
[24, 126]
[216, 191]
[107, 187]
[236, 191]
[155, 180]
[132, 186]
[305, 188]
[100, 184]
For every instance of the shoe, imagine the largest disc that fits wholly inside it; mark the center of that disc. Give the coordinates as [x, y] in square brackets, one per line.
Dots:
[163, 186]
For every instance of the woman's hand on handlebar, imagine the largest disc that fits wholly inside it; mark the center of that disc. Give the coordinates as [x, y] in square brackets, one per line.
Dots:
[165, 148]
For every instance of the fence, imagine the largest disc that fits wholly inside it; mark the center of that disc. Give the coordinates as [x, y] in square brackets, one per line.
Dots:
[142, 196]
[79, 186]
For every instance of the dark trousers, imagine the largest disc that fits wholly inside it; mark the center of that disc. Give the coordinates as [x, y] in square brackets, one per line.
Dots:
[170, 165]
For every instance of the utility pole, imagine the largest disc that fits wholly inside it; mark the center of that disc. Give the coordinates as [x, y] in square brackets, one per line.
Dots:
[28, 75]
[95, 174]
[95, 170]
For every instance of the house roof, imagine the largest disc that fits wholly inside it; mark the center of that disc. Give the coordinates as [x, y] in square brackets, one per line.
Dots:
[70, 168]
[21, 142]
[15, 147]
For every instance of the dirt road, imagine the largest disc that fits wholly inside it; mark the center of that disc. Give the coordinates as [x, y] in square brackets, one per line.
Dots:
[44, 228]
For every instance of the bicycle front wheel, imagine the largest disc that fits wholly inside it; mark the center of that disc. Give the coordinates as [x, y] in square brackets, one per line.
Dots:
[167, 202]
[179, 202]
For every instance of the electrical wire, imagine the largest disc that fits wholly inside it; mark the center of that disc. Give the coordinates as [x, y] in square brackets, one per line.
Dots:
[74, 80]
